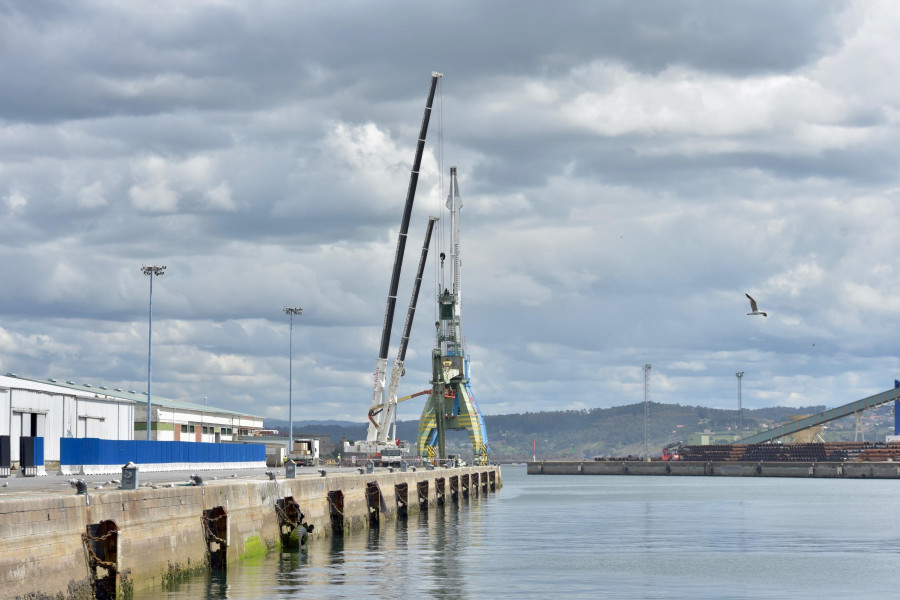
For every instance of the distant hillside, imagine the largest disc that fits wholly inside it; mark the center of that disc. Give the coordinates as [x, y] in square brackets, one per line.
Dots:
[617, 431]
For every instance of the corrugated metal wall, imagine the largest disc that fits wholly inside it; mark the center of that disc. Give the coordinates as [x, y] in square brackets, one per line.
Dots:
[62, 416]
[111, 452]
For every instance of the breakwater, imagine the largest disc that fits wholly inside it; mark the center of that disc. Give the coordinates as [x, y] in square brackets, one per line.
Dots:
[110, 542]
[847, 470]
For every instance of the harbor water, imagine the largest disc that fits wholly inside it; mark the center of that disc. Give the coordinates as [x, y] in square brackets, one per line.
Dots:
[580, 536]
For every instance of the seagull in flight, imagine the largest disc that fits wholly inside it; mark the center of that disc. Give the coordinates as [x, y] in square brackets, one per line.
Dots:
[753, 307]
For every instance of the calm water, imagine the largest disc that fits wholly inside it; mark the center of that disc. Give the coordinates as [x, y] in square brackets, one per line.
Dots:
[605, 537]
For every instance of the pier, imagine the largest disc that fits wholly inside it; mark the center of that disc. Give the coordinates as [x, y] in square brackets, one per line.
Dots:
[105, 543]
[844, 470]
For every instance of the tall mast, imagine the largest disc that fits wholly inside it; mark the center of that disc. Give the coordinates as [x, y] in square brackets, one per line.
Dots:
[454, 204]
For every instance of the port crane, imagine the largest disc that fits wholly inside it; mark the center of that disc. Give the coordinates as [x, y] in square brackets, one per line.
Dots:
[379, 440]
[451, 404]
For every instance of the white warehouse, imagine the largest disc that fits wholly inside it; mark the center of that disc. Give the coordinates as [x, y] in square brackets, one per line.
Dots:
[54, 409]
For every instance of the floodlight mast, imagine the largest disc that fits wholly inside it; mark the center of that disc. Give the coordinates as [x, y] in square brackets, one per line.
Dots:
[150, 270]
[291, 311]
[381, 362]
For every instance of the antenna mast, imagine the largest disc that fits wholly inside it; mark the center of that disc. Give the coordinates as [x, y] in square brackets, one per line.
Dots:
[647, 411]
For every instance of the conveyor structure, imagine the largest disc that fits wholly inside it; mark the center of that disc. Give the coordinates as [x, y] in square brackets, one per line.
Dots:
[823, 417]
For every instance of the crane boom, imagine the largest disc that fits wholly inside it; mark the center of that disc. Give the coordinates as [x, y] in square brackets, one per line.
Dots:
[397, 371]
[381, 361]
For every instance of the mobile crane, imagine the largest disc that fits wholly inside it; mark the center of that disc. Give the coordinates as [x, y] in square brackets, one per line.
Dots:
[379, 437]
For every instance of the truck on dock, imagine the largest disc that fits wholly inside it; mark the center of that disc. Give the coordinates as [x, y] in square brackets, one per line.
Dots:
[305, 452]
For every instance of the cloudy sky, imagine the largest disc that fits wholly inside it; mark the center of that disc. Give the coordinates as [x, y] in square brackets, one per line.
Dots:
[628, 171]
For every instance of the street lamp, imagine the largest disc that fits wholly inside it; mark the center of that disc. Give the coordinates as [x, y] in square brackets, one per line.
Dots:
[150, 270]
[740, 374]
[291, 311]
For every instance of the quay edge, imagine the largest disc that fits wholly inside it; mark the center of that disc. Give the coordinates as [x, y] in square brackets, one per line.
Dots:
[166, 532]
[842, 470]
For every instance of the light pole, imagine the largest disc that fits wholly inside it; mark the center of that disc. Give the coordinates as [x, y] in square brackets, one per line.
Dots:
[291, 311]
[150, 270]
[740, 374]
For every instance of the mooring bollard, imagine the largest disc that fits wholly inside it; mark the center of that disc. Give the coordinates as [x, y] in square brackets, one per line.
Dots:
[130, 476]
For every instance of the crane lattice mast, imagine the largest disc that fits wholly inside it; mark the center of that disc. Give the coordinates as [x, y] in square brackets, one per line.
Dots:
[451, 404]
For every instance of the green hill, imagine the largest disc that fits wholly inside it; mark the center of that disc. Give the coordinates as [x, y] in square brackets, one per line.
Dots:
[617, 431]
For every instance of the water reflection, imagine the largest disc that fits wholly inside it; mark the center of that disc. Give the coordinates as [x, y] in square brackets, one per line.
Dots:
[589, 537]
[217, 586]
[290, 575]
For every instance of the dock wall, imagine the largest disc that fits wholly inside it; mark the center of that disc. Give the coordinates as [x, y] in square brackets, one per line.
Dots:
[166, 532]
[845, 470]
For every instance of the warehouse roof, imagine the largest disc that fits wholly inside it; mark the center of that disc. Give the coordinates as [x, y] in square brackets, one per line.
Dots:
[100, 391]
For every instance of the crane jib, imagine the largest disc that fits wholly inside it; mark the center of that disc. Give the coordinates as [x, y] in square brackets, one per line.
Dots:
[411, 313]
[404, 223]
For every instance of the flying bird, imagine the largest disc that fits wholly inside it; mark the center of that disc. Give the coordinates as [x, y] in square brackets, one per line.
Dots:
[753, 307]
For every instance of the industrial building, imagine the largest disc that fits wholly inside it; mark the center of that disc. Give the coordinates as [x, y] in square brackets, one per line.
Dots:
[178, 421]
[54, 409]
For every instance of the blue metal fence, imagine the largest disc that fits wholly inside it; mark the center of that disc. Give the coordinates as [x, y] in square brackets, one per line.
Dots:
[94, 451]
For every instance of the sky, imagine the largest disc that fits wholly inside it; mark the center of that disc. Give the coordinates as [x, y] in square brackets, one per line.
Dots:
[628, 171]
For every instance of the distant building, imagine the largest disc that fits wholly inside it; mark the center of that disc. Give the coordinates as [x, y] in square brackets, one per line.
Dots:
[698, 439]
[175, 420]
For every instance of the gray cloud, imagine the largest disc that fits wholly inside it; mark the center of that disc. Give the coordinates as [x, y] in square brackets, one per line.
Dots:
[629, 170]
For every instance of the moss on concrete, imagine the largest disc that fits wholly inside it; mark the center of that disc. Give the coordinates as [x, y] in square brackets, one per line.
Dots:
[178, 572]
[253, 546]
[126, 587]
[78, 590]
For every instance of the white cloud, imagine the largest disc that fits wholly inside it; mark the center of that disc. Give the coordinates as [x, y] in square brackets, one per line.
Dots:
[92, 196]
[693, 365]
[16, 202]
[219, 198]
[155, 197]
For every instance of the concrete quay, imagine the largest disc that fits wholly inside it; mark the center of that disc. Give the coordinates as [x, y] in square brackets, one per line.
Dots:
[57, 544]
[842, 470]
